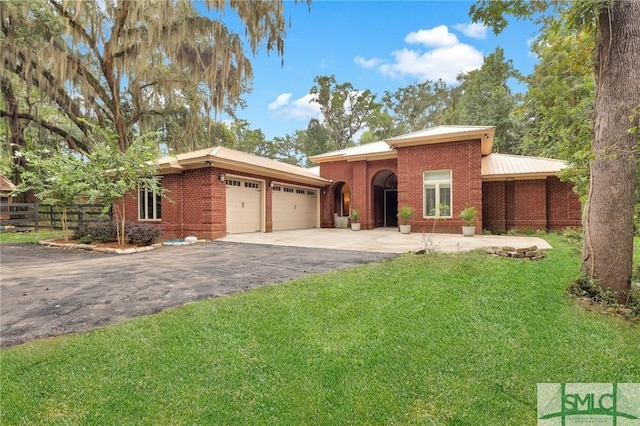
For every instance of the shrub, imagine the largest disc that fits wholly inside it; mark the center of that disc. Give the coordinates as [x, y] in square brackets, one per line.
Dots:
[102, 231]
[586, 287]
[141, 233]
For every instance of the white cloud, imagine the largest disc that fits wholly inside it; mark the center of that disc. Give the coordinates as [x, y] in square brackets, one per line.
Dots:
[298, 109]
[442, 63]
[441, 56]
[473, 30]
[281, 100]
[367, 63]
[434, 37]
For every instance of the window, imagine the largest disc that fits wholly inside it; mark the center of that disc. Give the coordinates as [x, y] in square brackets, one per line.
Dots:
[150, 204]
[437, 193]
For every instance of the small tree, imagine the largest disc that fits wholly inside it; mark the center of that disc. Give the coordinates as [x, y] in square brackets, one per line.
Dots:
[113, 174]
[56, 178]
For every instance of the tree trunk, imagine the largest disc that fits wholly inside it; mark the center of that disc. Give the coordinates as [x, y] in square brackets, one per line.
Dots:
[608, 217]
[18, 142]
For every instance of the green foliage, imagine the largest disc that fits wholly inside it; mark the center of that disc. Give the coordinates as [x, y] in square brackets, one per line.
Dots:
[55, 177]
[487, 100]
[28, 237]
[142, 234]
[147, 66]
[589, 289]
[113, 174]
[492, 13]
[405, 213]
[469, 215]
[355, 215]
[345, 109]
[421, 105]
[103, 231]
[558, 108]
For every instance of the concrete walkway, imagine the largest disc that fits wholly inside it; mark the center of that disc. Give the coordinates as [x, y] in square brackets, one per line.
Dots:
[381, 240]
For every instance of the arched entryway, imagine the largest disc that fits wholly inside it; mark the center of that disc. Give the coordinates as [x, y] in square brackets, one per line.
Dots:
[385, 199]
[341, 204]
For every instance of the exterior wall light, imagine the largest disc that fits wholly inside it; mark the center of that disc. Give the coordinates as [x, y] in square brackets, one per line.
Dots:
[221, 177]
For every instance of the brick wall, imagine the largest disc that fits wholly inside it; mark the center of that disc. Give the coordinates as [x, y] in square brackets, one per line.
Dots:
[493, 206]
[463, 159]
[359, 175]
[564, 207]
[195, 203]
[540, 204]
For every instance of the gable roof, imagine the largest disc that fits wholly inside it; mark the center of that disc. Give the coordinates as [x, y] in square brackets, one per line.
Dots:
[6, 185]
[443, 134]
[232, 159]
[504, 166]
[368, 151]
[387, 148]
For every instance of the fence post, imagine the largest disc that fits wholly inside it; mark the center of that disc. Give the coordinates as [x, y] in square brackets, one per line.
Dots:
[52, 216]
[36, 219]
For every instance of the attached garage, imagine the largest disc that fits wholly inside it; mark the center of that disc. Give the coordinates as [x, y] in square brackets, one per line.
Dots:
[294, 207]
[244, 205]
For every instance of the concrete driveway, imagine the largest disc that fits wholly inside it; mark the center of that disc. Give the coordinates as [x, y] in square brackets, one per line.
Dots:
[47, 291]
[382, 240]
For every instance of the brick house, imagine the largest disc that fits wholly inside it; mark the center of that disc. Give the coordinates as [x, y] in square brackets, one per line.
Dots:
[217, 191]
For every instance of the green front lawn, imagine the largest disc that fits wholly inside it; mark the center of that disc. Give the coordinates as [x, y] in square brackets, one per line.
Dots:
[436, 339]
[28, 237]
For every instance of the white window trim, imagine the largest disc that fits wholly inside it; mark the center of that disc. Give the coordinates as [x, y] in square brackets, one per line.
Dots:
[155, 195]
[437, 183]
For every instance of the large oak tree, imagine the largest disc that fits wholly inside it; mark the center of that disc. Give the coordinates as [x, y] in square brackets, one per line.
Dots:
[609, 210]
[121, 63]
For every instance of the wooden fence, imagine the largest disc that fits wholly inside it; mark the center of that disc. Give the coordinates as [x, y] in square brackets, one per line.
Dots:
[18, 217]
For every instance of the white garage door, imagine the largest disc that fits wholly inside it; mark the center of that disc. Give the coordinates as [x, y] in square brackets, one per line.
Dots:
[294, 208]
[244, 206]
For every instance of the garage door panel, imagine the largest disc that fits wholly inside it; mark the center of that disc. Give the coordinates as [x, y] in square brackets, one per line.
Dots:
[294, 208]
[244, 206]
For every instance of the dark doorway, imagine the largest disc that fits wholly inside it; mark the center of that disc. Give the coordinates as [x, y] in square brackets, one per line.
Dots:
[385, 199]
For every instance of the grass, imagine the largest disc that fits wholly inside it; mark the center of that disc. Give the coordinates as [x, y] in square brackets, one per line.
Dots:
[437, 339]
[28, 237]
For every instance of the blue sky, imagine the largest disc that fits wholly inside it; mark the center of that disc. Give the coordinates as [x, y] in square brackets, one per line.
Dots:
[376, 45]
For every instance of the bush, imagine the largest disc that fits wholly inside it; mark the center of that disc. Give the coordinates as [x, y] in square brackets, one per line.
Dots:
[141, 233]
[102, 231]
[586, 287]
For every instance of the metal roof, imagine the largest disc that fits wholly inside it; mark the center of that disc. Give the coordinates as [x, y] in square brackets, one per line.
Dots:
[442, 131]
[443, 134]
[387, 148]
[500, 166]
[367, 149]
[239, 161]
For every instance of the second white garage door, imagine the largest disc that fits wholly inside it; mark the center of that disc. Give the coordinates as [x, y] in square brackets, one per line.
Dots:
[294, 208]
[244, 206]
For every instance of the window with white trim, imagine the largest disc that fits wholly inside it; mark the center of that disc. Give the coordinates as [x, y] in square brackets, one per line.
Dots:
[437, 193]
[149, 204]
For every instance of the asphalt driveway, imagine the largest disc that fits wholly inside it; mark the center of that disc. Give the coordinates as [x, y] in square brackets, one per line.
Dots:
[48, 291]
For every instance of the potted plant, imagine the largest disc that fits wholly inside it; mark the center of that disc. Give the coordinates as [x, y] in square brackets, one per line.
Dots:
[355, 220]
[469, 215]
[405, 213]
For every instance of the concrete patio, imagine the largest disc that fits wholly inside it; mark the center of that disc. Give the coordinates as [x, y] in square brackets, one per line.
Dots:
[382, 240]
